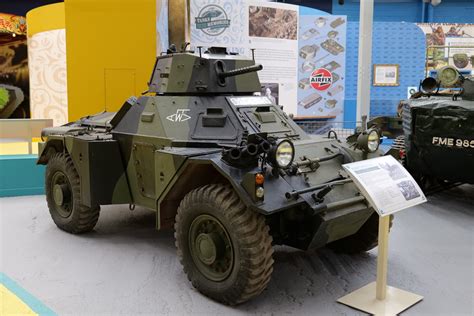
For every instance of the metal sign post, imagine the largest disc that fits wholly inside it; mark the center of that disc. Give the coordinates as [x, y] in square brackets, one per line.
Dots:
[378, 298]
[373, 177]
[365, 58]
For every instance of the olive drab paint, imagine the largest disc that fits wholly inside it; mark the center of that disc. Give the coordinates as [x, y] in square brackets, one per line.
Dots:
[200, 113]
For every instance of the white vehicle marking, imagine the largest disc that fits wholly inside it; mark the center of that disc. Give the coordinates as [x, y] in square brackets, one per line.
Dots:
[179, 116]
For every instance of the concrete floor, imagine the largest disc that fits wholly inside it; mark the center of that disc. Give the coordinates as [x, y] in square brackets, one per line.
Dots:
[126, 267]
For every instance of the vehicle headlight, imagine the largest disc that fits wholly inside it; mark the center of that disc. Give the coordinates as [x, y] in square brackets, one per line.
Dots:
[369, 141]
[282, 154]
[373, 141]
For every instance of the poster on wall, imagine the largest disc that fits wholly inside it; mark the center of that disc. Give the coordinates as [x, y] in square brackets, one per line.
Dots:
[14, 75]
[273, 33]
[321, 66]
[449, 44]
[219, 23]
[14, 80]
[270, 29]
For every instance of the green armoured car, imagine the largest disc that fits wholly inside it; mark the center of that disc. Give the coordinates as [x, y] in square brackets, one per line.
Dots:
[224, 166]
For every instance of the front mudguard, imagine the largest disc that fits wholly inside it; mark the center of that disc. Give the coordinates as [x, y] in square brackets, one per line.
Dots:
[54, 144]
[275, 187]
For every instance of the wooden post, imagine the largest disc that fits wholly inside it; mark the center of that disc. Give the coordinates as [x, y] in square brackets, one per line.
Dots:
[178, 22]
[382, 258]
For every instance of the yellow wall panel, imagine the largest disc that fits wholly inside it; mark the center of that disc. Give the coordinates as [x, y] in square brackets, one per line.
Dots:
[45, 18]
[119, 86]
[111, 44]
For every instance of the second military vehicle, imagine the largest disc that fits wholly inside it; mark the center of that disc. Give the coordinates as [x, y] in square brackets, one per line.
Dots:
[227, 168]
[438, 128]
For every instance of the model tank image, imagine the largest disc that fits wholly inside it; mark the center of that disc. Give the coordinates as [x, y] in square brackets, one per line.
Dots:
[224, 167]
[10, 98]
[438, 128]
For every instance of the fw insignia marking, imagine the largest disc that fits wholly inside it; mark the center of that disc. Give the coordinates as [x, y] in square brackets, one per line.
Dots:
[179, 116]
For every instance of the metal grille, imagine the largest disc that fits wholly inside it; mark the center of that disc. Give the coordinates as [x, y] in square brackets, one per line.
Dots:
[318, 127]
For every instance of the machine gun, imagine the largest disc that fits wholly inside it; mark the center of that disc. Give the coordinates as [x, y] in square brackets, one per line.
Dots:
[240, 71]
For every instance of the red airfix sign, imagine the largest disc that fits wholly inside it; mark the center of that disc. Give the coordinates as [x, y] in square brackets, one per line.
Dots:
[321, 79]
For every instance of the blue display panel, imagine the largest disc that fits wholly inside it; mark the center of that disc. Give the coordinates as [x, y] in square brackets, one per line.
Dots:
[392, 43]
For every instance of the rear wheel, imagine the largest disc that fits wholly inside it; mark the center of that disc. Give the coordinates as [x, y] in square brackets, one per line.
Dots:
[365, 239]
[225, 249]
[63, 194]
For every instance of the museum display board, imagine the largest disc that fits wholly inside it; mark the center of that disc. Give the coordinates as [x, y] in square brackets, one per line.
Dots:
[393, 43]
[322, 66]
[293, 49]
[271, 29]
[449, 44]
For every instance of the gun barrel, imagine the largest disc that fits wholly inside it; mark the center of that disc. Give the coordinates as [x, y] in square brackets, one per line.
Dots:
[240, 71]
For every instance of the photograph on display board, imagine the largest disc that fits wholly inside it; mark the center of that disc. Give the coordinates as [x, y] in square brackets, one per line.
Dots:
[271, 91]
[408, 190]
[321, 61]
[449, 44]
[272, 22]
[386, 75]
[273, 33]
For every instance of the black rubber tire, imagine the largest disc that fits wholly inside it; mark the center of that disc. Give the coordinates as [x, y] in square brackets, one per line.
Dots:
[82, 218]
[364, 240]
[250, 238]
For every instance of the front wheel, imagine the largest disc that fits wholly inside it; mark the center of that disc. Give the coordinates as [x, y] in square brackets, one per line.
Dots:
[63, 194]
[225, 249]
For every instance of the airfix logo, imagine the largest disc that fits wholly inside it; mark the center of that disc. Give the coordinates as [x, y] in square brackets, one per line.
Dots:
[212, 20]
[179, 116]
[321, 79]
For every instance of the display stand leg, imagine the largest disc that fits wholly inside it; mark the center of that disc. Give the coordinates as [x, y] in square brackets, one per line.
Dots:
[377, 298]
[382, 258]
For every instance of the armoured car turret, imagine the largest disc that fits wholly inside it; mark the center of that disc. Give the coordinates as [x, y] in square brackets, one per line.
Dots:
[222, 165]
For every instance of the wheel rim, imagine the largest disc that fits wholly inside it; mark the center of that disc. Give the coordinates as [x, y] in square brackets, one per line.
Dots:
[211, 247]
[62, 197]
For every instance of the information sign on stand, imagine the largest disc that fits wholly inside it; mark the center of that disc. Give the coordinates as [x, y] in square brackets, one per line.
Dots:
[389, 188]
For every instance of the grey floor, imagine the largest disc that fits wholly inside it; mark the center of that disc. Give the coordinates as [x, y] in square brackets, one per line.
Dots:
[125, 267]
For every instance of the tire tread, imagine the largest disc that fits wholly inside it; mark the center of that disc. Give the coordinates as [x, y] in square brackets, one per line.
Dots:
[253, 234]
